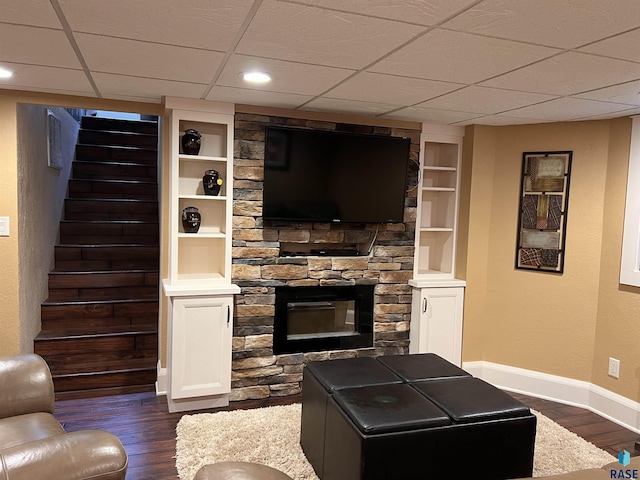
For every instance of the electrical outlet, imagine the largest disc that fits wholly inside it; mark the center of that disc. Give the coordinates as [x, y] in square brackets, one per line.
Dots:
[614, 367]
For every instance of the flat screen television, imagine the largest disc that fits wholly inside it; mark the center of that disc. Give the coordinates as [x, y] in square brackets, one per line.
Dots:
[328, 176]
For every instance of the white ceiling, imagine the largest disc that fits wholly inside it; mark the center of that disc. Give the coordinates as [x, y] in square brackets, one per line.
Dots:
[493, 62]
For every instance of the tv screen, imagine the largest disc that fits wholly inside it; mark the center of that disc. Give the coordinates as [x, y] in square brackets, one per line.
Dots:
[327, 176]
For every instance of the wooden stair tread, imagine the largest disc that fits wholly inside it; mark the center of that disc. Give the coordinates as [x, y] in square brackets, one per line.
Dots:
[115, 181]
[103, 272]
[94, 332]
[87, 300]
[107, 367]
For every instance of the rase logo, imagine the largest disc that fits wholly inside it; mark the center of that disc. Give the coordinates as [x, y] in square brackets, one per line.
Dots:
[624, 458]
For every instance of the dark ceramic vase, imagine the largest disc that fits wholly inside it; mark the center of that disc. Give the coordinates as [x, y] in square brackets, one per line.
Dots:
[211, 182]
[191, 141]
[191, 220]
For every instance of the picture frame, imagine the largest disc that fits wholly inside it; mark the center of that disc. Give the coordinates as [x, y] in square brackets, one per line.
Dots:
[54, 140]
[542, 213]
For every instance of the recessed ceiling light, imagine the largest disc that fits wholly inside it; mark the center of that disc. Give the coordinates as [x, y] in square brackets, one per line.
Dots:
[4, 73]
[256, 77]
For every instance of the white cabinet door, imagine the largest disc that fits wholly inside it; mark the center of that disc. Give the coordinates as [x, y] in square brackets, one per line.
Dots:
[436, 322]
[200, 346]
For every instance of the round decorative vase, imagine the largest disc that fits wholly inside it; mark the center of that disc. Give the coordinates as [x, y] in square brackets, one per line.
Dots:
[191, 141]
[191, 220]
[211, 182]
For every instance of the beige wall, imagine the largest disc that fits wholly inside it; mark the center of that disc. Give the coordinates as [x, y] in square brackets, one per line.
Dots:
[569, 324]
[41, 193]
[9, 291]
[16, 323]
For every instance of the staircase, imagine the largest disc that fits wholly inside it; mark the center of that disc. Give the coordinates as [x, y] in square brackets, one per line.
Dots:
[100, 322]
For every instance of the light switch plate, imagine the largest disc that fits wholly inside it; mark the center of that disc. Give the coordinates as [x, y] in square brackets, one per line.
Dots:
[4, 226]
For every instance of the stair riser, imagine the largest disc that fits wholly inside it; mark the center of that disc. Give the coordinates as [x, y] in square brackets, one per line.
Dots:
[100, 310]
[112, 189]
[97, 346]
[125, 139]
[104, 265]
[73, 322]
[106, 240]
[91, 153]
[89, 382]
[106, 253]
[101, 280]
[72, 294]
[100, 123]
[109, 229]
[107, 171]
[73, 205]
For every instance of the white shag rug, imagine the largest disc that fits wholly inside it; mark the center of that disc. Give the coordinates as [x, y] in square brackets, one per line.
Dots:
[271, 436]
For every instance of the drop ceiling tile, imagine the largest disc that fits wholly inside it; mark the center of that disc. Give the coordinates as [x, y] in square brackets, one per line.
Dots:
[412, 11]
[499, 120]
[197, 23]
[484, 100]
[38, 13]
[146, 89]
[311, 35]
[348, 106]
[383, 88]
[564, 74]
[431, 115]
[459, 57]
[607, 116]
[257, 97]
[150, 60]
[287, 77]
[627, 93]
[45, 47]
[566, 109]
[623, 46]
[47, 79]
[555, 23]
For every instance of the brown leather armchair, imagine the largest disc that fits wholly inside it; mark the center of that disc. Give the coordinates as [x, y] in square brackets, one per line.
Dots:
[33, 444]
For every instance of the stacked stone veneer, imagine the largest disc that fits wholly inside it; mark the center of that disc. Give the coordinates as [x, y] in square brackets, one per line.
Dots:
[258, 267]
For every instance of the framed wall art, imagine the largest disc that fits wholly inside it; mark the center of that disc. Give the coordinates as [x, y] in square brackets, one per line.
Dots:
[542, 223]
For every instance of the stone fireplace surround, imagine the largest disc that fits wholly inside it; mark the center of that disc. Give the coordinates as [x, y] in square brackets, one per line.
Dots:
[258, 266]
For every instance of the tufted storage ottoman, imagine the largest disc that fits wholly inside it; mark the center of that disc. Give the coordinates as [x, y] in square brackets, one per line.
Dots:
[460, 427]
[411, 416]
[320, 380]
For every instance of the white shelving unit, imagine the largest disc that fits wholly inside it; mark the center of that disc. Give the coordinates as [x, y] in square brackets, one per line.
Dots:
[436, 320]
[198, 286]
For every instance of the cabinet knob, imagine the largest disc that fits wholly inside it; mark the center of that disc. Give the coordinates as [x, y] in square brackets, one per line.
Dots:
[424, 304]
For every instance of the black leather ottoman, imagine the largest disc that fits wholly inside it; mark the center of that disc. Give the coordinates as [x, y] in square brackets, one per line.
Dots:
[320, 380]
[460, 427]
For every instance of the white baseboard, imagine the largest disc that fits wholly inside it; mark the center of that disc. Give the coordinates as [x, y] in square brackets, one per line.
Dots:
[161, 382]
[610, 405]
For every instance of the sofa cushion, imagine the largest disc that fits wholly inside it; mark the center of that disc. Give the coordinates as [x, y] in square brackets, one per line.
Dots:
[469, 399]
[421, 366]
[351, 372]
[389, 408]
[26, 428]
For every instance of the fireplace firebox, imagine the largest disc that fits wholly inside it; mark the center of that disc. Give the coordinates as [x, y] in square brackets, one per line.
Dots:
[311, 319]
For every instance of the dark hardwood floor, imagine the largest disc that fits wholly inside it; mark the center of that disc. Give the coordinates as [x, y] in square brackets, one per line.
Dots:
[147, 430]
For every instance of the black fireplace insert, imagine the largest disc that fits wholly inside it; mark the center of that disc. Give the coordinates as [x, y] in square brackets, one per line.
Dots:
[311, 319]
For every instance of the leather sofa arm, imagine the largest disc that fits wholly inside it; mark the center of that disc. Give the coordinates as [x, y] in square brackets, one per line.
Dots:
[86, 454]
[27, 386]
